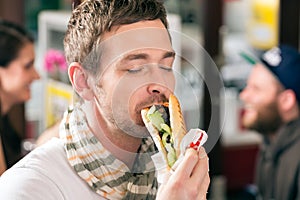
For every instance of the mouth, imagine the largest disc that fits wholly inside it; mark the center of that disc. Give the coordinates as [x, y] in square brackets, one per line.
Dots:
[248, 107]
[249, 111]
[27, 89]
[148, 106]
[155, 99]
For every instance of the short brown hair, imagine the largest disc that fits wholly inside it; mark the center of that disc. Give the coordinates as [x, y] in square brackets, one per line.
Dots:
[92, 18]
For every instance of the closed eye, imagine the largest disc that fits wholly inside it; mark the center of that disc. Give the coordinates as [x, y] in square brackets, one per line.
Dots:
[29, 64]
[135, 70]
[168, 69]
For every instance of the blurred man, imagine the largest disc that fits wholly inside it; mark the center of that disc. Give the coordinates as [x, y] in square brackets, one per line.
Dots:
[271, 98]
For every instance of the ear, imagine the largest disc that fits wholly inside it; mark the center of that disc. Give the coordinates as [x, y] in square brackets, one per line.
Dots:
[287, 100]
[79, 81]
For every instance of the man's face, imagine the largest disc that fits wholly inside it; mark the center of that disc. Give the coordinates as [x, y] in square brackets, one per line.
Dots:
[260, 97]
[136, 72]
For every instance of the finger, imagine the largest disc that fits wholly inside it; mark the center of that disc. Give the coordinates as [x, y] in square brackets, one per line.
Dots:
[186, 167]
[202, 153]
[204, 188]
[201, 168]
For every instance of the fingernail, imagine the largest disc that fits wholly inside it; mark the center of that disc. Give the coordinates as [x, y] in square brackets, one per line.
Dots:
[202, 154]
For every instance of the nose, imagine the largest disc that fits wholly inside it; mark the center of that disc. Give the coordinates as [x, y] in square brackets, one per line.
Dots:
[160, 83]
[36, 75]
[243, 95]
[155, 88]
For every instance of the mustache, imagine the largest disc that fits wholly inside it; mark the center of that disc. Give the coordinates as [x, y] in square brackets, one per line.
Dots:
[154, 99]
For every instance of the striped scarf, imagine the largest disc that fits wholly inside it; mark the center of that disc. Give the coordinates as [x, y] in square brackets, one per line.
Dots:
[106, 175]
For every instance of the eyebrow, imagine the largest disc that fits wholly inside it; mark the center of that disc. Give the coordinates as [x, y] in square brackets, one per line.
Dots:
[145, 56]
[136, 56]
[169, 54]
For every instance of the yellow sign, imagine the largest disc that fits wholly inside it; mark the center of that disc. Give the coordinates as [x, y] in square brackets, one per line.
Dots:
[263, 25]
[59, 96]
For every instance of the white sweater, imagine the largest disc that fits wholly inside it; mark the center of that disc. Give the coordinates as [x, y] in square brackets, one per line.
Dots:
[44, 174]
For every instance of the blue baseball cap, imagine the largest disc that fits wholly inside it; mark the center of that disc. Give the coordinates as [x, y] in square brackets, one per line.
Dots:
[284, 62]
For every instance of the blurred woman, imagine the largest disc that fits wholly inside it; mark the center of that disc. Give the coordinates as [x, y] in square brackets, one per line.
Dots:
[17, 72]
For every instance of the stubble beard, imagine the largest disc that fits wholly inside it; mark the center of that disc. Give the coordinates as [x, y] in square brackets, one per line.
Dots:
[268, 120]
[118, 116]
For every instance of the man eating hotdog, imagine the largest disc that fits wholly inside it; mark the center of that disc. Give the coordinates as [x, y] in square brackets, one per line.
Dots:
[120, 62]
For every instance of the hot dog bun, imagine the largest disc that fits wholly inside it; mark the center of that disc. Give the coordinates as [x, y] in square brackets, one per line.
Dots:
[178, 127]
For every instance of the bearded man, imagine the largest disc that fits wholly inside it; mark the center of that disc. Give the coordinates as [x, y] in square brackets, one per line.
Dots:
[271, 100]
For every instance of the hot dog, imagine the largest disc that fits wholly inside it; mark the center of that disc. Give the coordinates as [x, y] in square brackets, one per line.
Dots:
[166, 125]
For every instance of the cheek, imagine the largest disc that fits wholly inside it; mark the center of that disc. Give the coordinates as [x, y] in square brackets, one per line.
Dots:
[124, 91]
[251, 109]
[136, 102]
[119, 99]
[133, 101]
[255, 102]
[255, 109]
[20, 81]
[11, 83]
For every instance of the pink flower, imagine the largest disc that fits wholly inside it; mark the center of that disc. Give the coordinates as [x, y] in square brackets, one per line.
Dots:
[55, 59]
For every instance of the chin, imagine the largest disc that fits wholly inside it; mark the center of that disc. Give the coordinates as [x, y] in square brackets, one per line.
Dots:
[248, 122]
[28, 97]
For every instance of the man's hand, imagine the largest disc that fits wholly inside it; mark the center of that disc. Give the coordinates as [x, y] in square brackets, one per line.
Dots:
[190, 179]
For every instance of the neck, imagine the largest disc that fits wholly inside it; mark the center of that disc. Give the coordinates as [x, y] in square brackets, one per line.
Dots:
[123, 146]
[5, 106]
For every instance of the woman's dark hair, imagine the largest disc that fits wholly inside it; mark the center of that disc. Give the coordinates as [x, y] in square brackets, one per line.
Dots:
[12, 38]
